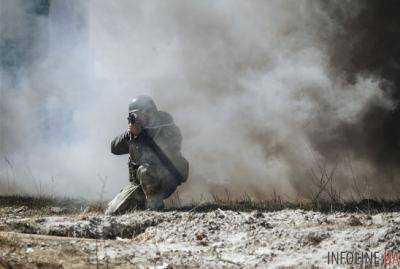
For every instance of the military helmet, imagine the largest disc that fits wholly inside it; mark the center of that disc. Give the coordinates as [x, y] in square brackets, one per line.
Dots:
[143, 103]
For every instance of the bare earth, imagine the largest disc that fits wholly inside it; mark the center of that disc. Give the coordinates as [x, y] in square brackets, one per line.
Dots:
[216, 239]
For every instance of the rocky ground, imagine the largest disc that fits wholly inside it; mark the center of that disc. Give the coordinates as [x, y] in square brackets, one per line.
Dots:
[173, 239]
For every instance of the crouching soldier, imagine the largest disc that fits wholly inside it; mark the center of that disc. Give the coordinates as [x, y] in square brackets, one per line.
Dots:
[156, 165]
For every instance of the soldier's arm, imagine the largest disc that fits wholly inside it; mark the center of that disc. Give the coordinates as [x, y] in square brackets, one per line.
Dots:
[119, 145]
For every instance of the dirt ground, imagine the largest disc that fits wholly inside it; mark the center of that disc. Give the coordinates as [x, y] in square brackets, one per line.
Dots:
[174, 239]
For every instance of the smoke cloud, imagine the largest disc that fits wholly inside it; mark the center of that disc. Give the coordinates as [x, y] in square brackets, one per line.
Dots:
[263, 91]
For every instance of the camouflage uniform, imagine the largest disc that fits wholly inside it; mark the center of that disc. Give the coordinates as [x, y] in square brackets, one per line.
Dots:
[152, 181]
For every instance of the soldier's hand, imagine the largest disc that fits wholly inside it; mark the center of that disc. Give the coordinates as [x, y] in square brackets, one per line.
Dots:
[134, 129]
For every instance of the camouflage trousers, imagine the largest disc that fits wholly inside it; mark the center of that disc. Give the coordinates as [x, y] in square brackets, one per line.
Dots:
[147, 189]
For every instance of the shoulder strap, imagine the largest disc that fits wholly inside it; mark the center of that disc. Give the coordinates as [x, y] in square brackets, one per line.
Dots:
[162, 156]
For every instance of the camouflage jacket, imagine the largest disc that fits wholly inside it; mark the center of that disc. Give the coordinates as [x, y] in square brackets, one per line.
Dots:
[165, 134]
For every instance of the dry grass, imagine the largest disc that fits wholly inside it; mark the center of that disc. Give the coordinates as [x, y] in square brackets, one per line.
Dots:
[44, 205]
[25, 205]
[26, 200]
[247, 203]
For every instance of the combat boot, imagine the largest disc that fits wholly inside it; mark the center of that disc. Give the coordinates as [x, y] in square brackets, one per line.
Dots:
[131, 197]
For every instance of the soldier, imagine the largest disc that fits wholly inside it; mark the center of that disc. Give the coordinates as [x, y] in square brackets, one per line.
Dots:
[156, 165]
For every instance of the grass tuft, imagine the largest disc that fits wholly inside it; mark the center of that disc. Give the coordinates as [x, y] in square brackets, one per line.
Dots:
[326, 206]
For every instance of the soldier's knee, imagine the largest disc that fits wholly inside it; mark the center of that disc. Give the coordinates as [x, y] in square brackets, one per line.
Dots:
[142, 171]
[148, 179]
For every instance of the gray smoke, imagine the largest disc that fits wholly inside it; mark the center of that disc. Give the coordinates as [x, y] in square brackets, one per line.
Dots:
[254, 86]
